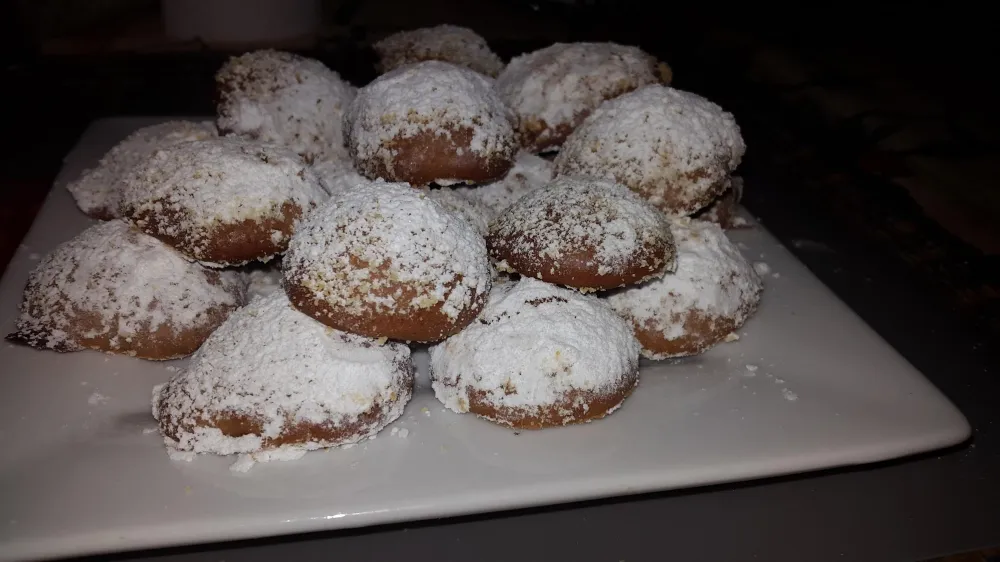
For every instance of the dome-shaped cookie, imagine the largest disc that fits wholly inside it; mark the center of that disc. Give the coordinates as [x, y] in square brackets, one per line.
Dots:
[225, 201]
[674, 148]
[98, 190]
[553, 89]
[529, 173]
[430, 122]
[386, 260]
[272, 378]
[457, 45]
[538, 356]
[115, 289]
[279, 97]
[712, 292]
[586, 233]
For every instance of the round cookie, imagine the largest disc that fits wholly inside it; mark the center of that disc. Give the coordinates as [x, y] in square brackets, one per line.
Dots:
[449, 43]
[386, 260]
[530, 172]
[674, 148]
[553, 89]
[585, 233]
[539, 356]
[430, 122]
[98, 190]
[279, 97]
[114, 289]
[273, 379]
[712, 292]
[224, 201]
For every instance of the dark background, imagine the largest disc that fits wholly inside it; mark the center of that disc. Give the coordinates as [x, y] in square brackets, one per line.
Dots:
[873, 147]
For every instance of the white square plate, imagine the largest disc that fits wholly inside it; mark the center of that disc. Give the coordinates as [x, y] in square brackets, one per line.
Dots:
[82, 470]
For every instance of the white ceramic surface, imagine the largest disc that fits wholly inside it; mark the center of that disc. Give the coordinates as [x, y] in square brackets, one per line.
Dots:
[82, 469]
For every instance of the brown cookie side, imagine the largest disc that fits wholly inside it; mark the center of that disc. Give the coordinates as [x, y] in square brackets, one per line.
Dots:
[442, 153]
[576, 406]
[404, 323]
[223, 243]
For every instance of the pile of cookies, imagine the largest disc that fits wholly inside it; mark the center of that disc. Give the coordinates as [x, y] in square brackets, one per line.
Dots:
[542, 224]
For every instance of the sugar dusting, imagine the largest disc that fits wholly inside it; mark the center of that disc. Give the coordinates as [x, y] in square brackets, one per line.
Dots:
[278, 366]
[98, 190]
[124, 283]
[284, 98]
[675, 147]
[351, 248]
[199, 186]
[572, 213]
[529, 173]
[533, 343]
[712, 277]
[450, 43]
[434, 97]
[560, 84]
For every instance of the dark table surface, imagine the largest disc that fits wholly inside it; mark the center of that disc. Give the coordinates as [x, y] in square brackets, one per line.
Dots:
[821, 179]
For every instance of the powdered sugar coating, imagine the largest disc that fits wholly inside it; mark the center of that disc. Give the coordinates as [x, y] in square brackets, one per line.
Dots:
[614, 230]
[112, 283]
[449, 43]
[279, 97]
[275, 366]
[533, 345]
[675, 148]
[712, 279]
[381, 234]
[471, 210]
[429, 97]
[338, 175]
[552, 90]
[530, 172]
[98, 190]
[192, 190]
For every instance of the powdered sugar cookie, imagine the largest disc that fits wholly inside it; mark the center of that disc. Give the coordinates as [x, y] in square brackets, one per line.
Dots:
[530, 172]
[430, 122]
[224, 201]
[713, 292]
[538, 356]
[273, 379]
[386, 260]
[585, 233]
[279, 97]
[553, 89]
[98, 190]
[117, 290]
[449, 43]
[674, 148]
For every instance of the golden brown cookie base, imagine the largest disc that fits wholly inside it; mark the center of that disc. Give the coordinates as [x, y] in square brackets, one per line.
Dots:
[224, 243]
[430, 156]
[674, 203]
[701, 332]
[325, 434]
[162, 344]
[575, 407]
[577, 269]
[409, 324]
